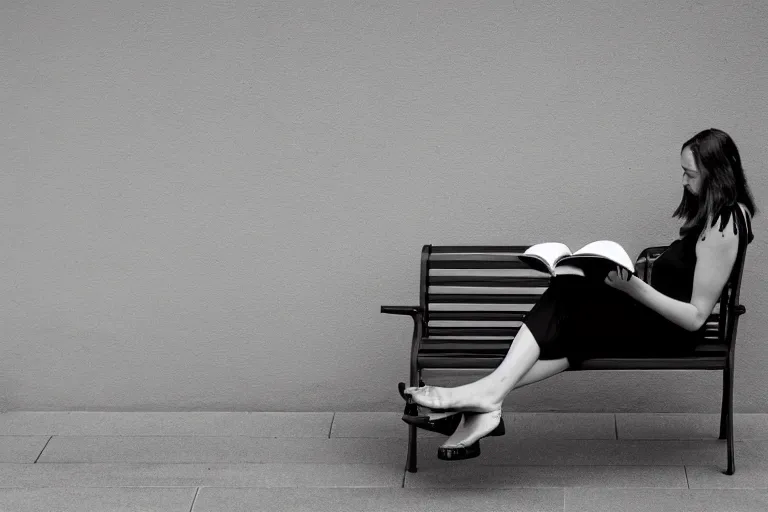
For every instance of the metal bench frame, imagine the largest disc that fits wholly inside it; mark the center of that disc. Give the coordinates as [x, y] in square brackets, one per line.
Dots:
[716, 354]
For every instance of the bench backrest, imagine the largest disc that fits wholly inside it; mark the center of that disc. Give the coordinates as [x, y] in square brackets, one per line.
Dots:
[481, 294]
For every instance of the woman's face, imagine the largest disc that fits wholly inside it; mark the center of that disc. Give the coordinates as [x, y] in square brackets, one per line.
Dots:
[691, 174]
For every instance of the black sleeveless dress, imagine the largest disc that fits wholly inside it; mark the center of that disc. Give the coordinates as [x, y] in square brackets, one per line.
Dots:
[580, 318]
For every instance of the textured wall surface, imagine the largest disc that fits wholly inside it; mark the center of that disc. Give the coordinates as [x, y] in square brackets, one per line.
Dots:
[204, 204]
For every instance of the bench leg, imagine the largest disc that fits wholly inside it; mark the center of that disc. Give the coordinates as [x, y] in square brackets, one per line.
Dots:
[729, 423]
[724, 408]
[410, 463]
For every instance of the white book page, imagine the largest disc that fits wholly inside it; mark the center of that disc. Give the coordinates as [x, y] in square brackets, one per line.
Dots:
[549, 251]
[607, 249]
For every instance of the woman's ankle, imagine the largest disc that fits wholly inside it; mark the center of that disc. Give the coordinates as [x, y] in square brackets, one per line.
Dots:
[484, 401]
[473, 427]
[491, 395]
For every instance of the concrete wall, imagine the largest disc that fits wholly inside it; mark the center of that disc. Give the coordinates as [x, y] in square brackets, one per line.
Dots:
[204, 204]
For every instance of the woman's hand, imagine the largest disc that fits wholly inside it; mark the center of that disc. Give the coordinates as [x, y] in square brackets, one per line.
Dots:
[622, 279]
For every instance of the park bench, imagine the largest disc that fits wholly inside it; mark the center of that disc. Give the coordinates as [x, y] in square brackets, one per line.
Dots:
[473, 300]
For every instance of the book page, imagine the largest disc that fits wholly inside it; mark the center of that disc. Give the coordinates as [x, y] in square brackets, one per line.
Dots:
[549, 252]
[607, 250]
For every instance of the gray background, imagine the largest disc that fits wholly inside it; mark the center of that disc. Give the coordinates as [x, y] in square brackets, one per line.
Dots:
[205, 204]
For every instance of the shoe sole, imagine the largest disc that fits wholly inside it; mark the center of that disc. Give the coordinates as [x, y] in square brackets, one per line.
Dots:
[459, 453]
[447, 426]
[467, 452]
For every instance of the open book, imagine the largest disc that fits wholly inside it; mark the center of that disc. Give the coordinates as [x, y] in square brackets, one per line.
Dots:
[596, 259]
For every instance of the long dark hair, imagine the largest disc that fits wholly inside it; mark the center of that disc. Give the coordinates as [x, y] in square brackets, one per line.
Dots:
[723, 182]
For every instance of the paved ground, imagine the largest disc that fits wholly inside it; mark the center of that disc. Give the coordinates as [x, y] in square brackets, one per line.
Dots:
[209, 461]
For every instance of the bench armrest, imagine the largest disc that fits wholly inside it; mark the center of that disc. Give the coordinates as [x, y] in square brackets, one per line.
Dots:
[402, 310]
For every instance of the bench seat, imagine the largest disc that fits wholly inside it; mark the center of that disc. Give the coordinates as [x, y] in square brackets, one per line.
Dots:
[446, 353]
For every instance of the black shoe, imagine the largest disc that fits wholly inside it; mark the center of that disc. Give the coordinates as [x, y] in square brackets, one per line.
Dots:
[468, 452]
[442, 422]
[446, 425]
[423, 417]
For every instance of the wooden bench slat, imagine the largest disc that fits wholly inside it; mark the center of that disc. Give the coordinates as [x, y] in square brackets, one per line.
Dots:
[473, 331]
[480, 298]
[490, 281]
[478, 249]
[491, 263]
[477, 315]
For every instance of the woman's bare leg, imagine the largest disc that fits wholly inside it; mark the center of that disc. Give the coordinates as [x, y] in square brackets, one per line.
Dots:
[476, 424]
[487, 394]
[543, 370]
[515, 371]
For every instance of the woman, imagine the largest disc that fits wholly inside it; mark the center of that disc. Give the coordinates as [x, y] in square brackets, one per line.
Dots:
[621, 316]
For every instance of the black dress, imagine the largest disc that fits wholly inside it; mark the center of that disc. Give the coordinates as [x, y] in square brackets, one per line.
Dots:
[580, 318]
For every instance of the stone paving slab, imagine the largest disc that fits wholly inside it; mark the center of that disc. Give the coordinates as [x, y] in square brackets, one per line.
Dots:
[22, 449]
[708, 452]
[456, 475]
[193, 475]
[82, 499]
[255, 424]
[688, 426]
[749, 475]
[594, 452]
[372, 424]
[664, 500]
[555, 425]
[667, 426]
[384, 500]
[750, 426]
[173, 449]
[758, 447]
[494, 451]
